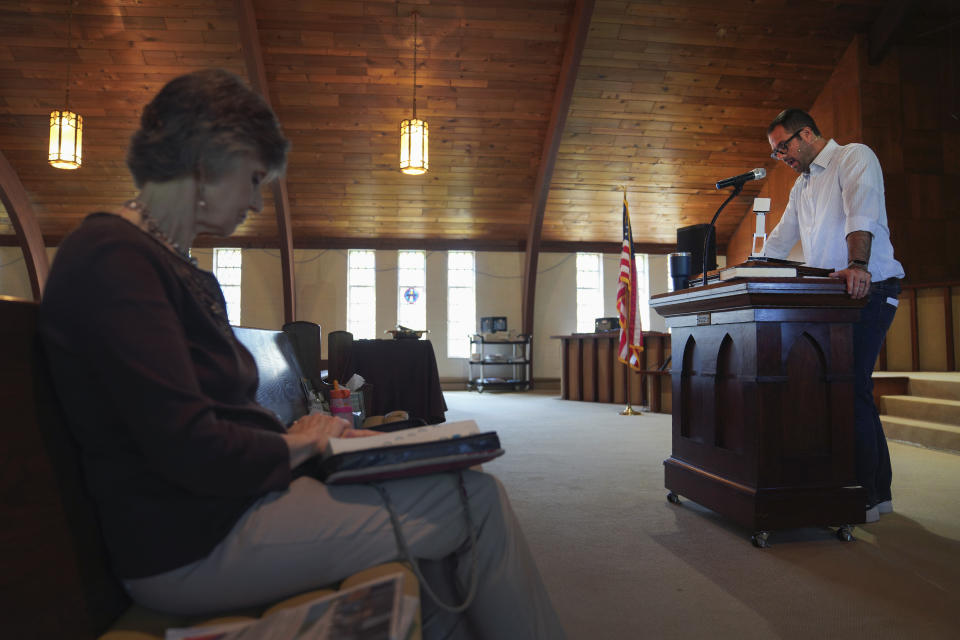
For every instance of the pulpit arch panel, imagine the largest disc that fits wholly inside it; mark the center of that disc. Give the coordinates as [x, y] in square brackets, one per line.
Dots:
[685, 383]
[728, 397]
[806, 420]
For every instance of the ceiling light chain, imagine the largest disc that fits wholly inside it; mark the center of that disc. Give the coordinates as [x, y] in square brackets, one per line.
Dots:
[414, 133]
[415, 14]
[66, 127]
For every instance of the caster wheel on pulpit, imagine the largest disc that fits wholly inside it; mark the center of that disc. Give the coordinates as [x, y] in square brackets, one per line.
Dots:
[845, 533]
[673, 498]
[759, 539]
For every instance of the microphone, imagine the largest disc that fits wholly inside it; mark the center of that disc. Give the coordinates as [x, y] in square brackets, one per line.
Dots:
[756, 174]
[737, 183]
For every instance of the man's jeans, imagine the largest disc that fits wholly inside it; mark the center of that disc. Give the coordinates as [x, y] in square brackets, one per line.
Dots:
[873, 460]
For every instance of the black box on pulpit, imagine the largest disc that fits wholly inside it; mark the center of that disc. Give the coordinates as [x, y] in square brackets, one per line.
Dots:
[691, 240]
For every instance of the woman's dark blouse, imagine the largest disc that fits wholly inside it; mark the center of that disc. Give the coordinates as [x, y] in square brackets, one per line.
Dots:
[159, 395]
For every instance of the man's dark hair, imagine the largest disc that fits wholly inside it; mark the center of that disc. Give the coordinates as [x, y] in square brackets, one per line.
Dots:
[792, 120]
[197, 123]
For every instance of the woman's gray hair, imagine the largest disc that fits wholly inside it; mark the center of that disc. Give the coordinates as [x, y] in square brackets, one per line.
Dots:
[197, 123]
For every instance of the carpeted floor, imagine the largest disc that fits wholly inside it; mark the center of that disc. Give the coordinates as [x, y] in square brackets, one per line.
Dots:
[622, 563]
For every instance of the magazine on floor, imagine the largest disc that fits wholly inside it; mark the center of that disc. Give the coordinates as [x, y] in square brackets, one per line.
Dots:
[375, 610]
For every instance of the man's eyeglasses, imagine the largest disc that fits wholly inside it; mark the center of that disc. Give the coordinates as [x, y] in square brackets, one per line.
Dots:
[781, 148]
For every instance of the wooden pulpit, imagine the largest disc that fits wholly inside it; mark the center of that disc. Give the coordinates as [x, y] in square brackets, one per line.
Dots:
[762, 373]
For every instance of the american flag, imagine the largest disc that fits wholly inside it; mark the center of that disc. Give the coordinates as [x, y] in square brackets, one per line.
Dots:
[631, 337]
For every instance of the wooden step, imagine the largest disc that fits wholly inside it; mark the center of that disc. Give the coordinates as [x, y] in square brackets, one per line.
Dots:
[922, 408]
[931, 388]
[928, 434]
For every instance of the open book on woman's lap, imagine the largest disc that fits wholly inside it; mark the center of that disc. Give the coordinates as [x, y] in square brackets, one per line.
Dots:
[409, 452]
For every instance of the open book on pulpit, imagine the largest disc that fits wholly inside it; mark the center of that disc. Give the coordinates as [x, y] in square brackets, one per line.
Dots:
[408, 452]
[767, 268]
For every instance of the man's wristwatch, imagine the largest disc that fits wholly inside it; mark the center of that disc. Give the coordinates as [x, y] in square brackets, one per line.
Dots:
[857, 264]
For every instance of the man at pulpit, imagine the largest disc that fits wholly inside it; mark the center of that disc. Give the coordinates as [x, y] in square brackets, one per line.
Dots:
[837, 212]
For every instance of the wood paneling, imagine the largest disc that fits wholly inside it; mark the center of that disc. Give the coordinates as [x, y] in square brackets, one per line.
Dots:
[592, 372]
[837, 111]
[742, 445]
[52, 549]
[907, 109]
[253, 56]
[668, 98]
[672, 97]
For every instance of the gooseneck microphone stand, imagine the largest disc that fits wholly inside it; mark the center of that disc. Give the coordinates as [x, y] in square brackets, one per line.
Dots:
[737, 188]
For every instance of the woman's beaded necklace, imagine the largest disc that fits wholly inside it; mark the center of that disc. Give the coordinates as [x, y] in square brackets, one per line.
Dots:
[201, 284]
[154, 230]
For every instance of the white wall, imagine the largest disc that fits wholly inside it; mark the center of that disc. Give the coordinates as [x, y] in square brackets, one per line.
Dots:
[555, 310]
[321, 277]
[610, 263]
[321, 280]
[657, 269]
[387, 293]
[14, 279]
[437, 315]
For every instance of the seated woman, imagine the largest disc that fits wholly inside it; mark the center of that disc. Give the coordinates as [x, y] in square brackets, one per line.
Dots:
[194, 482]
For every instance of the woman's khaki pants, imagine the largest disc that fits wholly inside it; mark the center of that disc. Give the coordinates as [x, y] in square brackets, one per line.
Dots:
[314, 535]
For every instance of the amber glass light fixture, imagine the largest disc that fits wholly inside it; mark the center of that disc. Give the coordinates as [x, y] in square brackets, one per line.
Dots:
[66, 127]
[414, 133]
[66, 140]
[414, 153]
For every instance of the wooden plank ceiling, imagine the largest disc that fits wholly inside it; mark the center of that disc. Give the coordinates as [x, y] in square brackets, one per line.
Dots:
[670, 96]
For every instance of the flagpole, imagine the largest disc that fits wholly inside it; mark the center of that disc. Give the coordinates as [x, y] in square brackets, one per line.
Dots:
[629, 410]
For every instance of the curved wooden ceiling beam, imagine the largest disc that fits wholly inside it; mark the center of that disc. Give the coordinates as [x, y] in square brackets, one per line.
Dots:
[576, 38]
[250, 44]
[14, 198]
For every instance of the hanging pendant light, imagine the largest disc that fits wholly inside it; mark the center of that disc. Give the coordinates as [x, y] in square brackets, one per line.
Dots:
[66, 127]
[414, 133]
[66, 140]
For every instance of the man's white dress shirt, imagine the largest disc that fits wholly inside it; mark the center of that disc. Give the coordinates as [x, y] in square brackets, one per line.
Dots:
[842, 193]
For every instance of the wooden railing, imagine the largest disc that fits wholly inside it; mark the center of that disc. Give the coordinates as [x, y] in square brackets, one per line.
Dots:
[910, 295]
[592, 373]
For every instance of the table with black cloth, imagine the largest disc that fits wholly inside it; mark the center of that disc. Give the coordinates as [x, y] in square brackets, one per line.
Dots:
[403, 374]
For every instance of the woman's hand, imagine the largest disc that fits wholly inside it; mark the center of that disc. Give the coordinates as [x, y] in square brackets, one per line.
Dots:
[309, 435]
